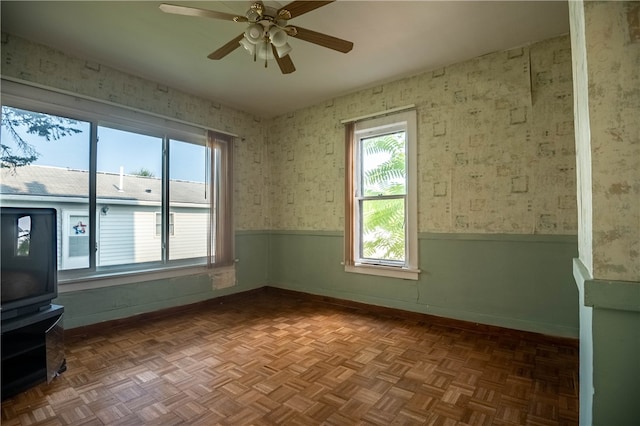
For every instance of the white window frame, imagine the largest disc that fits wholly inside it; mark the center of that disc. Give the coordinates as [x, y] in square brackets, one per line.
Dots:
[401, 121]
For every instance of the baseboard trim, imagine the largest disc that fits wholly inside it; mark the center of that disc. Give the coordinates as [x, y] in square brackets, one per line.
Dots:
[90, 329]
[418, 316]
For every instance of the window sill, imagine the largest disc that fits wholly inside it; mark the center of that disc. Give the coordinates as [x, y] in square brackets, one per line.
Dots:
[75, 282]
[384, 271]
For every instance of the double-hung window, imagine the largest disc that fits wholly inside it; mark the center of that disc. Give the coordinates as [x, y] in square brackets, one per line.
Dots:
[133, 192]
[159, 225]
[381, 205]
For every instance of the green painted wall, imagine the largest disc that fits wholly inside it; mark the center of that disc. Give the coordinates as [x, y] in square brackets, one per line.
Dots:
[581, 275]
[517, 281]
[90, 306]
[615, 345]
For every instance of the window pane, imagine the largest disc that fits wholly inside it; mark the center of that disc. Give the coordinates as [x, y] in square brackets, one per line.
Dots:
[383, 230]
[129, 194]
[188, 200]
[159, 224]
[23, 246]
[45, 161]
[383, 165]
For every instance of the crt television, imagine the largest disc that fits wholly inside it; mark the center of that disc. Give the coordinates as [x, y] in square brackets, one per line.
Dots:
[28, 262]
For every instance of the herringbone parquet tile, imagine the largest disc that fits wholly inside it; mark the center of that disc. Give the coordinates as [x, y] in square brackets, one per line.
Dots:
[278, 358]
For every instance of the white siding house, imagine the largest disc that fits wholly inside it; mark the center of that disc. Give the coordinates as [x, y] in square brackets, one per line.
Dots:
[127, 212]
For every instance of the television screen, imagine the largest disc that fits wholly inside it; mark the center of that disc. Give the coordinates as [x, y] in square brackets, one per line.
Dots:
[28, 259]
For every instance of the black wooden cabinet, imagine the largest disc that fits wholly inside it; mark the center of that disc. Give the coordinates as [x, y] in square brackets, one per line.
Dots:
[32, 350]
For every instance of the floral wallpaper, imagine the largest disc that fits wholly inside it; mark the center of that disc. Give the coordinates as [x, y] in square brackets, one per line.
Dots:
[496, 147]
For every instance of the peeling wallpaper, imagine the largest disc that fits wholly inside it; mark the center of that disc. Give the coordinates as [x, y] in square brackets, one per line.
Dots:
[613, 58]
[496, 147]
[39, 64]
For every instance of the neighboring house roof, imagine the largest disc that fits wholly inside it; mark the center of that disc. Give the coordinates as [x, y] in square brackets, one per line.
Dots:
[59, 182]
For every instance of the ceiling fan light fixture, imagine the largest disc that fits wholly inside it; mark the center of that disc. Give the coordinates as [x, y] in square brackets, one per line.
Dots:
[249, 47]
[283, 50]
[264, 51]
[254, 33]
[277, 36]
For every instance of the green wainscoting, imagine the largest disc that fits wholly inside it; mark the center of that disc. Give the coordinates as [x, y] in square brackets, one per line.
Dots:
[522, 282]
[516, 281]
[614, 343]
[109, 302]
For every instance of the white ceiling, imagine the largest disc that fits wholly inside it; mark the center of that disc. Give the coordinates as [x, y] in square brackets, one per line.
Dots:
[391, 39]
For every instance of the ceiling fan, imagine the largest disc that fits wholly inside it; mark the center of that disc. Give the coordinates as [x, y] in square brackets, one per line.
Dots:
[266, 35]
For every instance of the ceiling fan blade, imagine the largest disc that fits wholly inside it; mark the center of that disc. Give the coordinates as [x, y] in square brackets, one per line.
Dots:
[227, 48]
[298, 8]
[320, 39]
[285, 63]
[202, 13]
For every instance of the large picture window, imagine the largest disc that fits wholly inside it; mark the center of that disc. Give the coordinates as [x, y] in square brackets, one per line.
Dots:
[134, 193]
[381, 229]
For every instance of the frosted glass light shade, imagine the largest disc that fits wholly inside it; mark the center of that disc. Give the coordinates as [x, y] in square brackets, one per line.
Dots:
[283, 50]
[254, 33]
[250, 47]
[264, 51]
[277, 36]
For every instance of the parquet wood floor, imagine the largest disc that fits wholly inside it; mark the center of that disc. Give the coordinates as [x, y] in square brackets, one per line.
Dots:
[273, 357]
